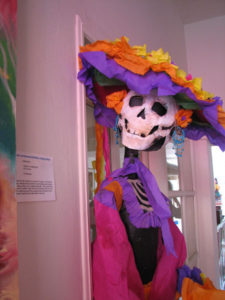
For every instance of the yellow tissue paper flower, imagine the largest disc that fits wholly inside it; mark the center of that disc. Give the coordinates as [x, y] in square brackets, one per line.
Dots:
[180, 73]
[203, 277]
[197, 82]
[119, 40]
[159, 56]
[206, 95]
[141, 50]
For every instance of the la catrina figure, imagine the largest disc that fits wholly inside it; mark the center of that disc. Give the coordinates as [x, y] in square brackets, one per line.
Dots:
[139, 252]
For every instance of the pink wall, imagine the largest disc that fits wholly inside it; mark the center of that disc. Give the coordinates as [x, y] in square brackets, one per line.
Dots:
[205, 46]
[49, 233]
[156, 23]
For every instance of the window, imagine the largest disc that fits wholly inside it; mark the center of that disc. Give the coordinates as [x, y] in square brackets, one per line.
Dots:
[174, 184]
[172, 168]
[182, 196]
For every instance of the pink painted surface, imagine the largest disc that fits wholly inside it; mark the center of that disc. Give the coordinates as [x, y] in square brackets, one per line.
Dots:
[205, 42]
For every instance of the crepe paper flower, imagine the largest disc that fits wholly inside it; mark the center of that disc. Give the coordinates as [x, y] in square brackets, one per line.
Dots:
[203, 277]
[197, 82]
[206, 95]
[115, 100]
[119, 40]
[157, 57]
[183, 117]
[189, 77]
[182, 74]
[142, 51]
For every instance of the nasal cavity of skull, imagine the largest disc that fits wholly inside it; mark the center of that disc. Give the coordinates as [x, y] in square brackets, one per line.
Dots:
[141, 114]
[158, 108]
[136, 101]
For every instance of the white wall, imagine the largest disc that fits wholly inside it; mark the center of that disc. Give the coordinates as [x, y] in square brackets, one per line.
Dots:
[49, 233]
[205, 44]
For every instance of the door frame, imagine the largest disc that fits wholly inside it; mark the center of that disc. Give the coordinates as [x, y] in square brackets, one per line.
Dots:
[82, 193]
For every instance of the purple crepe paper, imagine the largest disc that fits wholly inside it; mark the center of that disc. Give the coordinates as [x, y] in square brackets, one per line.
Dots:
[193, 274]
[215, 138]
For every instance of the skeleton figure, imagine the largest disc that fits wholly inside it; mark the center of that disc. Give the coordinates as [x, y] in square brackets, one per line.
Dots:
[146, 123]
[138, 248]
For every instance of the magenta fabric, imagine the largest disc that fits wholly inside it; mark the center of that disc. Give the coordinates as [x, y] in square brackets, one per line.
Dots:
[164, 283]
[115, 276]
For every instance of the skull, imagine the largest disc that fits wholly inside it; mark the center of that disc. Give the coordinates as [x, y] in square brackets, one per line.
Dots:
[146, 122]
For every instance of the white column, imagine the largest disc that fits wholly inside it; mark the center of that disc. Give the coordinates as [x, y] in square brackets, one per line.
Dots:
[158, 167]
[206, 213]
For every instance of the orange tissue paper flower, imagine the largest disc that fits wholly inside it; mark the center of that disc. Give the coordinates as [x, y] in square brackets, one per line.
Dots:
[115, 100]
[183, 117]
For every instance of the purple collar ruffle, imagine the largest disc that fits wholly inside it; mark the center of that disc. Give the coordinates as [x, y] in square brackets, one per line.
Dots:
[140, 219]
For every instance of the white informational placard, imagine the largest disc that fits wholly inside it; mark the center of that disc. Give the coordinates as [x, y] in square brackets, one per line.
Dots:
[34, 178]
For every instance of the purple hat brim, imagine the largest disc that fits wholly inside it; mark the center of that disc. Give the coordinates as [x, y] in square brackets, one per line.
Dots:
[144, 84]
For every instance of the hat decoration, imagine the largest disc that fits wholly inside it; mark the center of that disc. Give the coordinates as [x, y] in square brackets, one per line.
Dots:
[110, 69]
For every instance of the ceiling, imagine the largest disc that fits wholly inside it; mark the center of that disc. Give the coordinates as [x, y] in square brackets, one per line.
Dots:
[197, 10]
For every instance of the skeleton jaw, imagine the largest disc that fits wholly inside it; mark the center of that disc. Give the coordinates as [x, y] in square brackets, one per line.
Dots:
[135, 140]
[132, 132]
[149, 143]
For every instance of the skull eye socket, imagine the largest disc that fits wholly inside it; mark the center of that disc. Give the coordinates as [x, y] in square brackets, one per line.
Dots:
[136, 101]
[159, 109]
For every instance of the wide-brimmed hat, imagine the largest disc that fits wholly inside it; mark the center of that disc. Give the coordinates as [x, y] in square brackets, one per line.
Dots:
[109, 69]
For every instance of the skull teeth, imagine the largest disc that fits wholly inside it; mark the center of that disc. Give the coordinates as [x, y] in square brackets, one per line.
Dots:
[132, 132]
